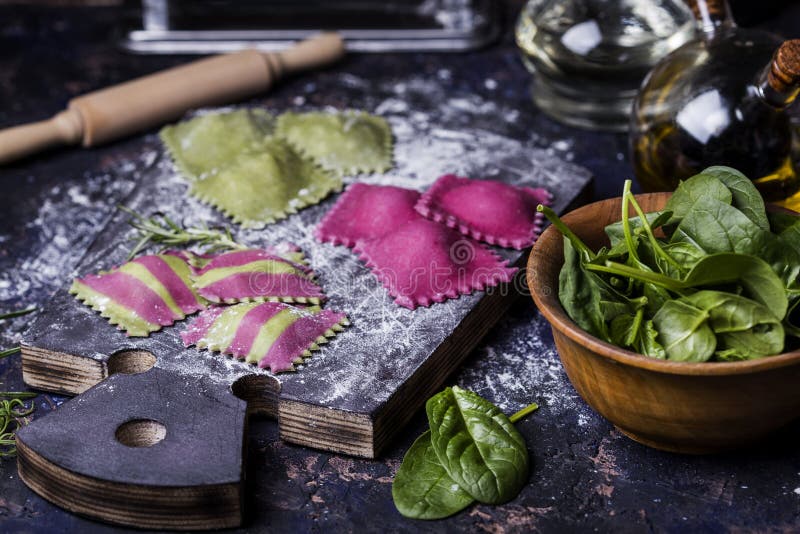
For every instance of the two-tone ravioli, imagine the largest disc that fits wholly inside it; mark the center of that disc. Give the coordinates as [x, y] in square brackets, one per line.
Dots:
[142, 295]
[273, 335]
[257, 275]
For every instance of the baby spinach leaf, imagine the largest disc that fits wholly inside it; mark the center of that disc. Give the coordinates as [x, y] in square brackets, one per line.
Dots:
[579, 294]
[753, 274]
[422, 489]
[698, 187]
[784, 260]
[477, 445]
[612, 309]
[791, 323]
[741, 325]
[746, 197]
[684, 332]
[648, 342]
[780, 221]
[616, 234]
[585, 252]
[656, 297]
[718, 227]
[685, 253]
[624, 329]
[632, 332]
[789, 238]
[729, 355]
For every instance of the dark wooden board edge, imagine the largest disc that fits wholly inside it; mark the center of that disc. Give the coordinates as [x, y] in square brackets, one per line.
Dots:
[367, 435]
[339, 431]
[175, 508]
[58, 372]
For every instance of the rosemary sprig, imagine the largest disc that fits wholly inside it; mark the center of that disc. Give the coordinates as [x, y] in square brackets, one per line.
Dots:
[17, 313]
[8, 352]
[9, 315]
[18, 394]
[162, 230]
[13, 414]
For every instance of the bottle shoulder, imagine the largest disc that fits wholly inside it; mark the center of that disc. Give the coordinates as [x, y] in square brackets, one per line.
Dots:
[708, 75]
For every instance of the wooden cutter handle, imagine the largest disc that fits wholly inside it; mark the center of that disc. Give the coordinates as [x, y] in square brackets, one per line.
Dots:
[146, 102]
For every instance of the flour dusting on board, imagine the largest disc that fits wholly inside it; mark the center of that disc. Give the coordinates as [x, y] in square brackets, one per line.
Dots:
[521, 366]
[358, 370]
[68, 218]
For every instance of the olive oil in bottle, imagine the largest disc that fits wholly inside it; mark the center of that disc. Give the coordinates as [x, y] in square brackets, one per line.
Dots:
[588, 57]
[719, 100]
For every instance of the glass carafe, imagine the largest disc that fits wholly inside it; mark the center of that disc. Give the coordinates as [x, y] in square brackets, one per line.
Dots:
[588, 57]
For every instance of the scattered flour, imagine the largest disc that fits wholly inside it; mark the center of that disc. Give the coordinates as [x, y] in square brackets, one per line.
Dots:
[435, 134]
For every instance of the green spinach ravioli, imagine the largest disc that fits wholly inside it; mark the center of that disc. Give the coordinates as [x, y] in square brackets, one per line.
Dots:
[206, 144]
[347, 143]
[265, 184]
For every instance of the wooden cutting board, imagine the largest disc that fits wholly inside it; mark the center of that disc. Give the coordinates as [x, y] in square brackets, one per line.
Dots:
[155, 437]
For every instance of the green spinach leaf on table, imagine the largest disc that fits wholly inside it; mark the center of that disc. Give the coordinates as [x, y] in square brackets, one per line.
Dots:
[477, 445]
[422, 489]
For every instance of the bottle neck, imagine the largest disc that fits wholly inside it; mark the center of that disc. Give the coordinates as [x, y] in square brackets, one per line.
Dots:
[779, 83]
[713, 16]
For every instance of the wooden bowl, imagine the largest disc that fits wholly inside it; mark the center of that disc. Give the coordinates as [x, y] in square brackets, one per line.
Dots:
[682, 407]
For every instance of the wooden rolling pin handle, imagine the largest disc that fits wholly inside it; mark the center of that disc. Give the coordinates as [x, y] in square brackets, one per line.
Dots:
[64, 128]
[146, 102]
[321, 50]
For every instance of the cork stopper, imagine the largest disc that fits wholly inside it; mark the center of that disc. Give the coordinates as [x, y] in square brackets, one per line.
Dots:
[711, 13]
[779, 82]
[784, 72]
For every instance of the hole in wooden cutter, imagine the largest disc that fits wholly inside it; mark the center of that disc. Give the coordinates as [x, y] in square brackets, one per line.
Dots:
[140, 433]
[260, 392]
[130, 362]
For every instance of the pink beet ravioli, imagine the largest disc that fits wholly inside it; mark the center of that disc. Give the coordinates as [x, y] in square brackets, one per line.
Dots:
[366, 212]
[257, 275]
[423, 262]
[143, 295]
[489, 211]
[273, 335]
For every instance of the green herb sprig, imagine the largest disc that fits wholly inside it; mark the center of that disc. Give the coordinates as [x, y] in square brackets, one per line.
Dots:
[711, 277]
[163, 231]
[13, 414]
[9, 315]
[471, 452]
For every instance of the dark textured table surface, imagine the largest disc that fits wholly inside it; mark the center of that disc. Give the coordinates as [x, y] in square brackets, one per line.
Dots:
[585, 476]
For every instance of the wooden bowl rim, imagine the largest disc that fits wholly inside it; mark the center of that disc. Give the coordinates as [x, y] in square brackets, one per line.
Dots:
[549, 305]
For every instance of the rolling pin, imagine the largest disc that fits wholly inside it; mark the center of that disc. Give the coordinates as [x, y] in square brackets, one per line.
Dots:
[137, 105]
